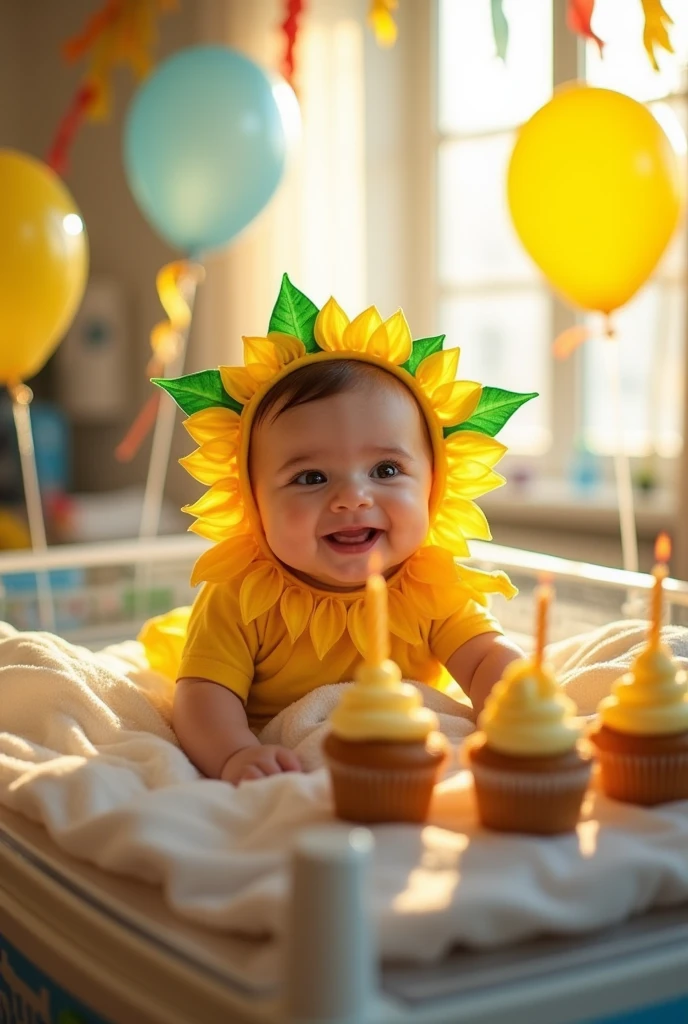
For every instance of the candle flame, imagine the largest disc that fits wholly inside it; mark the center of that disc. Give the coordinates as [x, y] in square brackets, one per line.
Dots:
[663, 548]
[375, 564]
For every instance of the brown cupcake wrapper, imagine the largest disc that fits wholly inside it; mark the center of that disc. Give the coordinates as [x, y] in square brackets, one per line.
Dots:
[644, 779]
[374, 795]
[546, 803]
[532, 783]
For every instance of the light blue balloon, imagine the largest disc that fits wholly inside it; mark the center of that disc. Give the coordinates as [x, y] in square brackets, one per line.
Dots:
[204, 146]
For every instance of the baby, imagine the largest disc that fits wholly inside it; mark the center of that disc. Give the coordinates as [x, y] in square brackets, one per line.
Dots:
[333, 459]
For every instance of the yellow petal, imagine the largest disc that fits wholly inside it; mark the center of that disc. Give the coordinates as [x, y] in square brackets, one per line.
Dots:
[163, 639]
[220, 528]
[208, 470]
[455, 402]
[467, 517]
[471, 479]
[403, 619]
[437, 369]
[242, 382]
[212, 423]
[220, 498]
[469, 444]
[287, 348]
[446, 534]
[296, 605]
[224, 561]
[260, 352]
[328, 622]
[356, 624]
[482, 582]
[260, 590]
[433, 602]
[330, 324]
[361, 328]
[432, 565]
[392, 340]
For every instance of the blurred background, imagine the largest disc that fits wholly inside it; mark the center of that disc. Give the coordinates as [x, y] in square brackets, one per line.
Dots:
[396, 196]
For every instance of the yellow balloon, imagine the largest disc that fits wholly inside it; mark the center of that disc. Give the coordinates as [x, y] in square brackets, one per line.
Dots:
[595, 190]
[43, 264]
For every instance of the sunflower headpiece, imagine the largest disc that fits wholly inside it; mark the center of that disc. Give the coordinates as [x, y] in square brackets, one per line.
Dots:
[462, 418]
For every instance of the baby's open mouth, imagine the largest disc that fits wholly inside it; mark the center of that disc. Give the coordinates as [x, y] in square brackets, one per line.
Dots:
[354, 541]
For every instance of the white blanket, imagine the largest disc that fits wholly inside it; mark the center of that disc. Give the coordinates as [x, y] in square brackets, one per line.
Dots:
[86, 749]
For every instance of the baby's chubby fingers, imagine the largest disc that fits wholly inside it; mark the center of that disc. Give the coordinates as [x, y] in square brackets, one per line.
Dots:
[287, 759]
[258, 762]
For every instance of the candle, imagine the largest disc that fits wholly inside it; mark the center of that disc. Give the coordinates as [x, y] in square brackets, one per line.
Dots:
[660, 573]
[377, 629]
[543, 597]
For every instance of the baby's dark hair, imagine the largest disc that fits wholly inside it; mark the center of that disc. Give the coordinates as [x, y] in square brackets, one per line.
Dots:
[318, 380]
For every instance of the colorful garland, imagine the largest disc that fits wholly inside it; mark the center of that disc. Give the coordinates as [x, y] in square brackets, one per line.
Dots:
[121, 32]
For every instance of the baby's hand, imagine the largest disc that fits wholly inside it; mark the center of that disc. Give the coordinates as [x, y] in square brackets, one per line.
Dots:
[259, 761]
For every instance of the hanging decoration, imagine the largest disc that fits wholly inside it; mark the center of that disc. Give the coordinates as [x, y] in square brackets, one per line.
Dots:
[122, 32]
[293, 11]
[656, 31]
[381, 20]
[579, 17]
[199, 181]
[500, 28]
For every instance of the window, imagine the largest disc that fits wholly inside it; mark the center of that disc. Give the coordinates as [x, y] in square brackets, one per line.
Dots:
[490, 298]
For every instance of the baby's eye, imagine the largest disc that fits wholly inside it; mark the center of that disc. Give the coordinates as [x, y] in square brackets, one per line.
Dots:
[386, 470]
[310, 478]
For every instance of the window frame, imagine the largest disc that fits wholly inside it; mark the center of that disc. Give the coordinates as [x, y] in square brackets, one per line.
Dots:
[565, 377]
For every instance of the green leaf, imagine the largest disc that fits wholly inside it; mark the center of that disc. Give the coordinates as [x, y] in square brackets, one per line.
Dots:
[495, 408]
[198, 391]
[422, 348]
[294, 314]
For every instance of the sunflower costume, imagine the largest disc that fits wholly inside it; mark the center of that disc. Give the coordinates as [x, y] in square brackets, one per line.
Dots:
[255, 627]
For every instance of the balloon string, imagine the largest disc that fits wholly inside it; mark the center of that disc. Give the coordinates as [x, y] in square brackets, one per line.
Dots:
[622, 465]
[21, 396]
[177, 285]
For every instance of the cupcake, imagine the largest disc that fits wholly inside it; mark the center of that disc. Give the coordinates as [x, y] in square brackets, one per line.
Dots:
[383, 751]
[641, 738]
[529, 770]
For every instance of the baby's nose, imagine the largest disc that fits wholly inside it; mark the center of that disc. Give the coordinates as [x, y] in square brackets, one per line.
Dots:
[351, 495]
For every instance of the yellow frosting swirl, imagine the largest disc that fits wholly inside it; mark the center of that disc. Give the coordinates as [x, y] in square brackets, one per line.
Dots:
[527, 713]
[649, 700]
[380, 707]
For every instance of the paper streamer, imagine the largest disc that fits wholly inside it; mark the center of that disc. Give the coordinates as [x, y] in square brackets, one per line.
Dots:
[381, 21]
[293, 11]
[656, 30]
[176, 284]
[500, 28]
[579, 17]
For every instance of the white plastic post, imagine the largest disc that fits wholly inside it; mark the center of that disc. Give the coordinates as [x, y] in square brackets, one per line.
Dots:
[329, 958]
[21, 398]
[622, 466]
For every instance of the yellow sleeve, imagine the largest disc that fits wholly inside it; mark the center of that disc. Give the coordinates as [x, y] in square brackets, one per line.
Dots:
[447, 635]
[219, 647]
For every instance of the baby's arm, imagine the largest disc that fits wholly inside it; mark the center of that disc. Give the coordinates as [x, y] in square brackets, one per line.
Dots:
[479, 663]
[212, 729]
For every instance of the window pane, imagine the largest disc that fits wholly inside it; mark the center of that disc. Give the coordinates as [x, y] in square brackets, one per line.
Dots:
[477, 242]
[478, 92]
[625, 65]
[670, 113]
[651, 339]
[504, 340]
